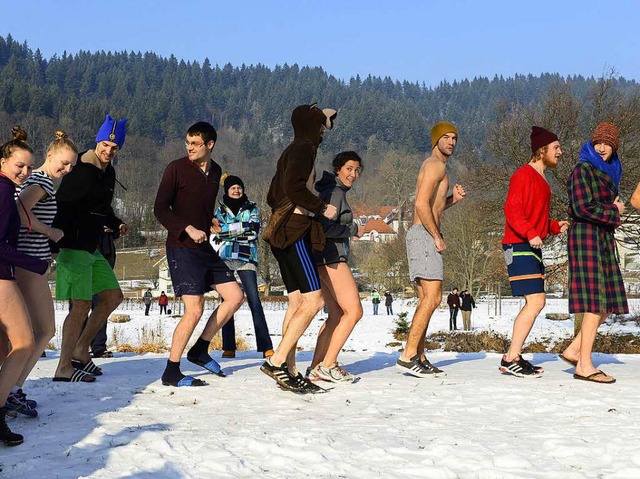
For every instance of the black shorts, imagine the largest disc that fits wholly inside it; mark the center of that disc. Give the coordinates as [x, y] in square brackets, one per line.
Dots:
[298, 270]
[196, 271]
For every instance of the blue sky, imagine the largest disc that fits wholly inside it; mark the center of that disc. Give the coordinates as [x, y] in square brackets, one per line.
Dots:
[425, 41]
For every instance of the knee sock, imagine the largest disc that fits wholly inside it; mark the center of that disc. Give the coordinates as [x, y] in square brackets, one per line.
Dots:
[172, 372]
[200, 351]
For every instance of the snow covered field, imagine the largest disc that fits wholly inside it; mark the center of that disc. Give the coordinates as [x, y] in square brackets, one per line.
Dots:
[475, 423]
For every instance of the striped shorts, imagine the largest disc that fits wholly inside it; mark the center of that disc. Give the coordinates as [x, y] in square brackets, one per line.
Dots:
[297, 267]
[525, 268]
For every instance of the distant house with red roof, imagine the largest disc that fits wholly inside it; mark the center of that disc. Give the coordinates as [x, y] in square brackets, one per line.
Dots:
[378, 223]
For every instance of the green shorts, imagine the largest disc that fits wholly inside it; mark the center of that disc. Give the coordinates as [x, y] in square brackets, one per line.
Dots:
[80, 275]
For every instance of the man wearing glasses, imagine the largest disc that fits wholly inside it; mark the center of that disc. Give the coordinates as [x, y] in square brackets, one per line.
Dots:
[184, 205]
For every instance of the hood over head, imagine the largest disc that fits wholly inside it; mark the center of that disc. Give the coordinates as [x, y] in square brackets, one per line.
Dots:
[307, 121]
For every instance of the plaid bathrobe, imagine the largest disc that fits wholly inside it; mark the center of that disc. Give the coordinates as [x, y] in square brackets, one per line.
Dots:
[595, 282]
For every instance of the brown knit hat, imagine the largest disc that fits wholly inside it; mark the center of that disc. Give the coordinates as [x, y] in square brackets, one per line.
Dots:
[541, 137]
[607, 133]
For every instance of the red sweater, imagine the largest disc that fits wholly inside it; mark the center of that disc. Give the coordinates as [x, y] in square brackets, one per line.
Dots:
[526, 209]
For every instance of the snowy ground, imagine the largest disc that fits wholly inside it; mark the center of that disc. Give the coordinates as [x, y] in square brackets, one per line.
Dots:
[474, 423]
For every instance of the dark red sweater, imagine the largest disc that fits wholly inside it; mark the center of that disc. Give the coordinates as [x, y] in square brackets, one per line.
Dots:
[526, 209]
[187, 197]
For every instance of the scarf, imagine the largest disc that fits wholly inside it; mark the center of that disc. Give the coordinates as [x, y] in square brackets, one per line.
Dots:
[612, 168]
[234, 204]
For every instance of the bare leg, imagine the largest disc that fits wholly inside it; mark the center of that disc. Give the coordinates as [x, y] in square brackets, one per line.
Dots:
[590, 323]
[37, 296]
[15, 323]
[345, 310]
[295, 328]
[295, 303]
[108, 302]
[193, 309]
[573, 350]
[70, 334]
[232, 297]
[429, 297]
[524, 322]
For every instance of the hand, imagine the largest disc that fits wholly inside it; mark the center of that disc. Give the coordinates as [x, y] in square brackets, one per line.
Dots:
[536, 242]
[440, 245]
[55, 234]
[564, 225]
[106, 229]
[619, 204]
[124, 229]
[458, 193]
[215, 226]
[330, 212]
[195, 234]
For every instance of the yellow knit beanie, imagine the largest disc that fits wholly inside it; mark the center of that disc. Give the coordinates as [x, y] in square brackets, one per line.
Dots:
[441, 129]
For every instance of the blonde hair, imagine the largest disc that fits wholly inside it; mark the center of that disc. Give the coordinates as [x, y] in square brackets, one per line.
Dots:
[19, 142]
[539, 153]
[61, 140]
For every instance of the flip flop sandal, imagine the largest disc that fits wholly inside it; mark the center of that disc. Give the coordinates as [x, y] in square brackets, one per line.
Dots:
[211, 366]
[187, 381]
[592, 378]
[78, 376]
[90, 367]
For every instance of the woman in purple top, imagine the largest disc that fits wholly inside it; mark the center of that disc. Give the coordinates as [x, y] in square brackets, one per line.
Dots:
[16, 162]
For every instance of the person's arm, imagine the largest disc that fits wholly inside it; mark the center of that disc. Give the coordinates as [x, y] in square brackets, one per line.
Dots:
[333, 228]
[430, 178]
[296, 174]
[29, 197]
[458, 195]
[583, 204]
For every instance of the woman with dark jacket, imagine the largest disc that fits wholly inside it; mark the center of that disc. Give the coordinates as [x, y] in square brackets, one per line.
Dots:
[16, 163]
[467, 303]
[339, 289]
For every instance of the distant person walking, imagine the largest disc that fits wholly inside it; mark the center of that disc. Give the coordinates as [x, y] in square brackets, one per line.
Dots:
[467, 303]
[596, 287]
[236, 228]
[146, 299]
[527, 224]
[425, 246]
[16, 161]
[375, 300]
[453, 300]
[184, 205]
[163, 302]
[388, 302]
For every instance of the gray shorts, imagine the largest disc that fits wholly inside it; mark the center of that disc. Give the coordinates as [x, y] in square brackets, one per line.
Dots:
[424, 261]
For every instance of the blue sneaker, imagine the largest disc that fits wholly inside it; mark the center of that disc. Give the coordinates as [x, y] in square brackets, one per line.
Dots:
[14, 403]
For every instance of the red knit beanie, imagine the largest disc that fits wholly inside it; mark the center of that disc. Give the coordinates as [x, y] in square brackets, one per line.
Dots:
[541, 137]
[606, 133]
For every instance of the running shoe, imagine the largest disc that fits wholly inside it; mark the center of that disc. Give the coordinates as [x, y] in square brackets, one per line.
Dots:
[14, 403]
[437, 371]
[281, 375]
[23, 396]
[306, 386]
[415, 367]
[531, 366]
[334, 374]
[519, 368]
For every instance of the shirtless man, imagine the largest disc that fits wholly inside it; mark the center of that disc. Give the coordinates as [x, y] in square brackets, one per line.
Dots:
[425, 246]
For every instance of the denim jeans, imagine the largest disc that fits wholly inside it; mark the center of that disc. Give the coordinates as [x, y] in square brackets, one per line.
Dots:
[375, 308]
[249, 280]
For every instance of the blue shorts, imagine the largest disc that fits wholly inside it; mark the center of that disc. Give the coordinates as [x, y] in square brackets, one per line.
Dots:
[297, 267]
[196, 271]
[525, 268]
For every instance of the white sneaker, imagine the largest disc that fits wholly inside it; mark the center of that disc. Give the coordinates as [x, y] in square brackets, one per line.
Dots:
[334, 374]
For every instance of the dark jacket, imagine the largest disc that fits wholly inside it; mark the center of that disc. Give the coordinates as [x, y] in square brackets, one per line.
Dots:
[84, 206]
[467, 302]
[388, 299]
[453, 300]
[293, 171]
[187, 197]
[339, 231]
[10, 257]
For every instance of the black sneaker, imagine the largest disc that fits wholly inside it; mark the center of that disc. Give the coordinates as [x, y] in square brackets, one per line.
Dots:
[6, 436]
[307, 386]
[519, 368]
[281, 375]
[415, 367]
[539, 369]
[437, 371]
